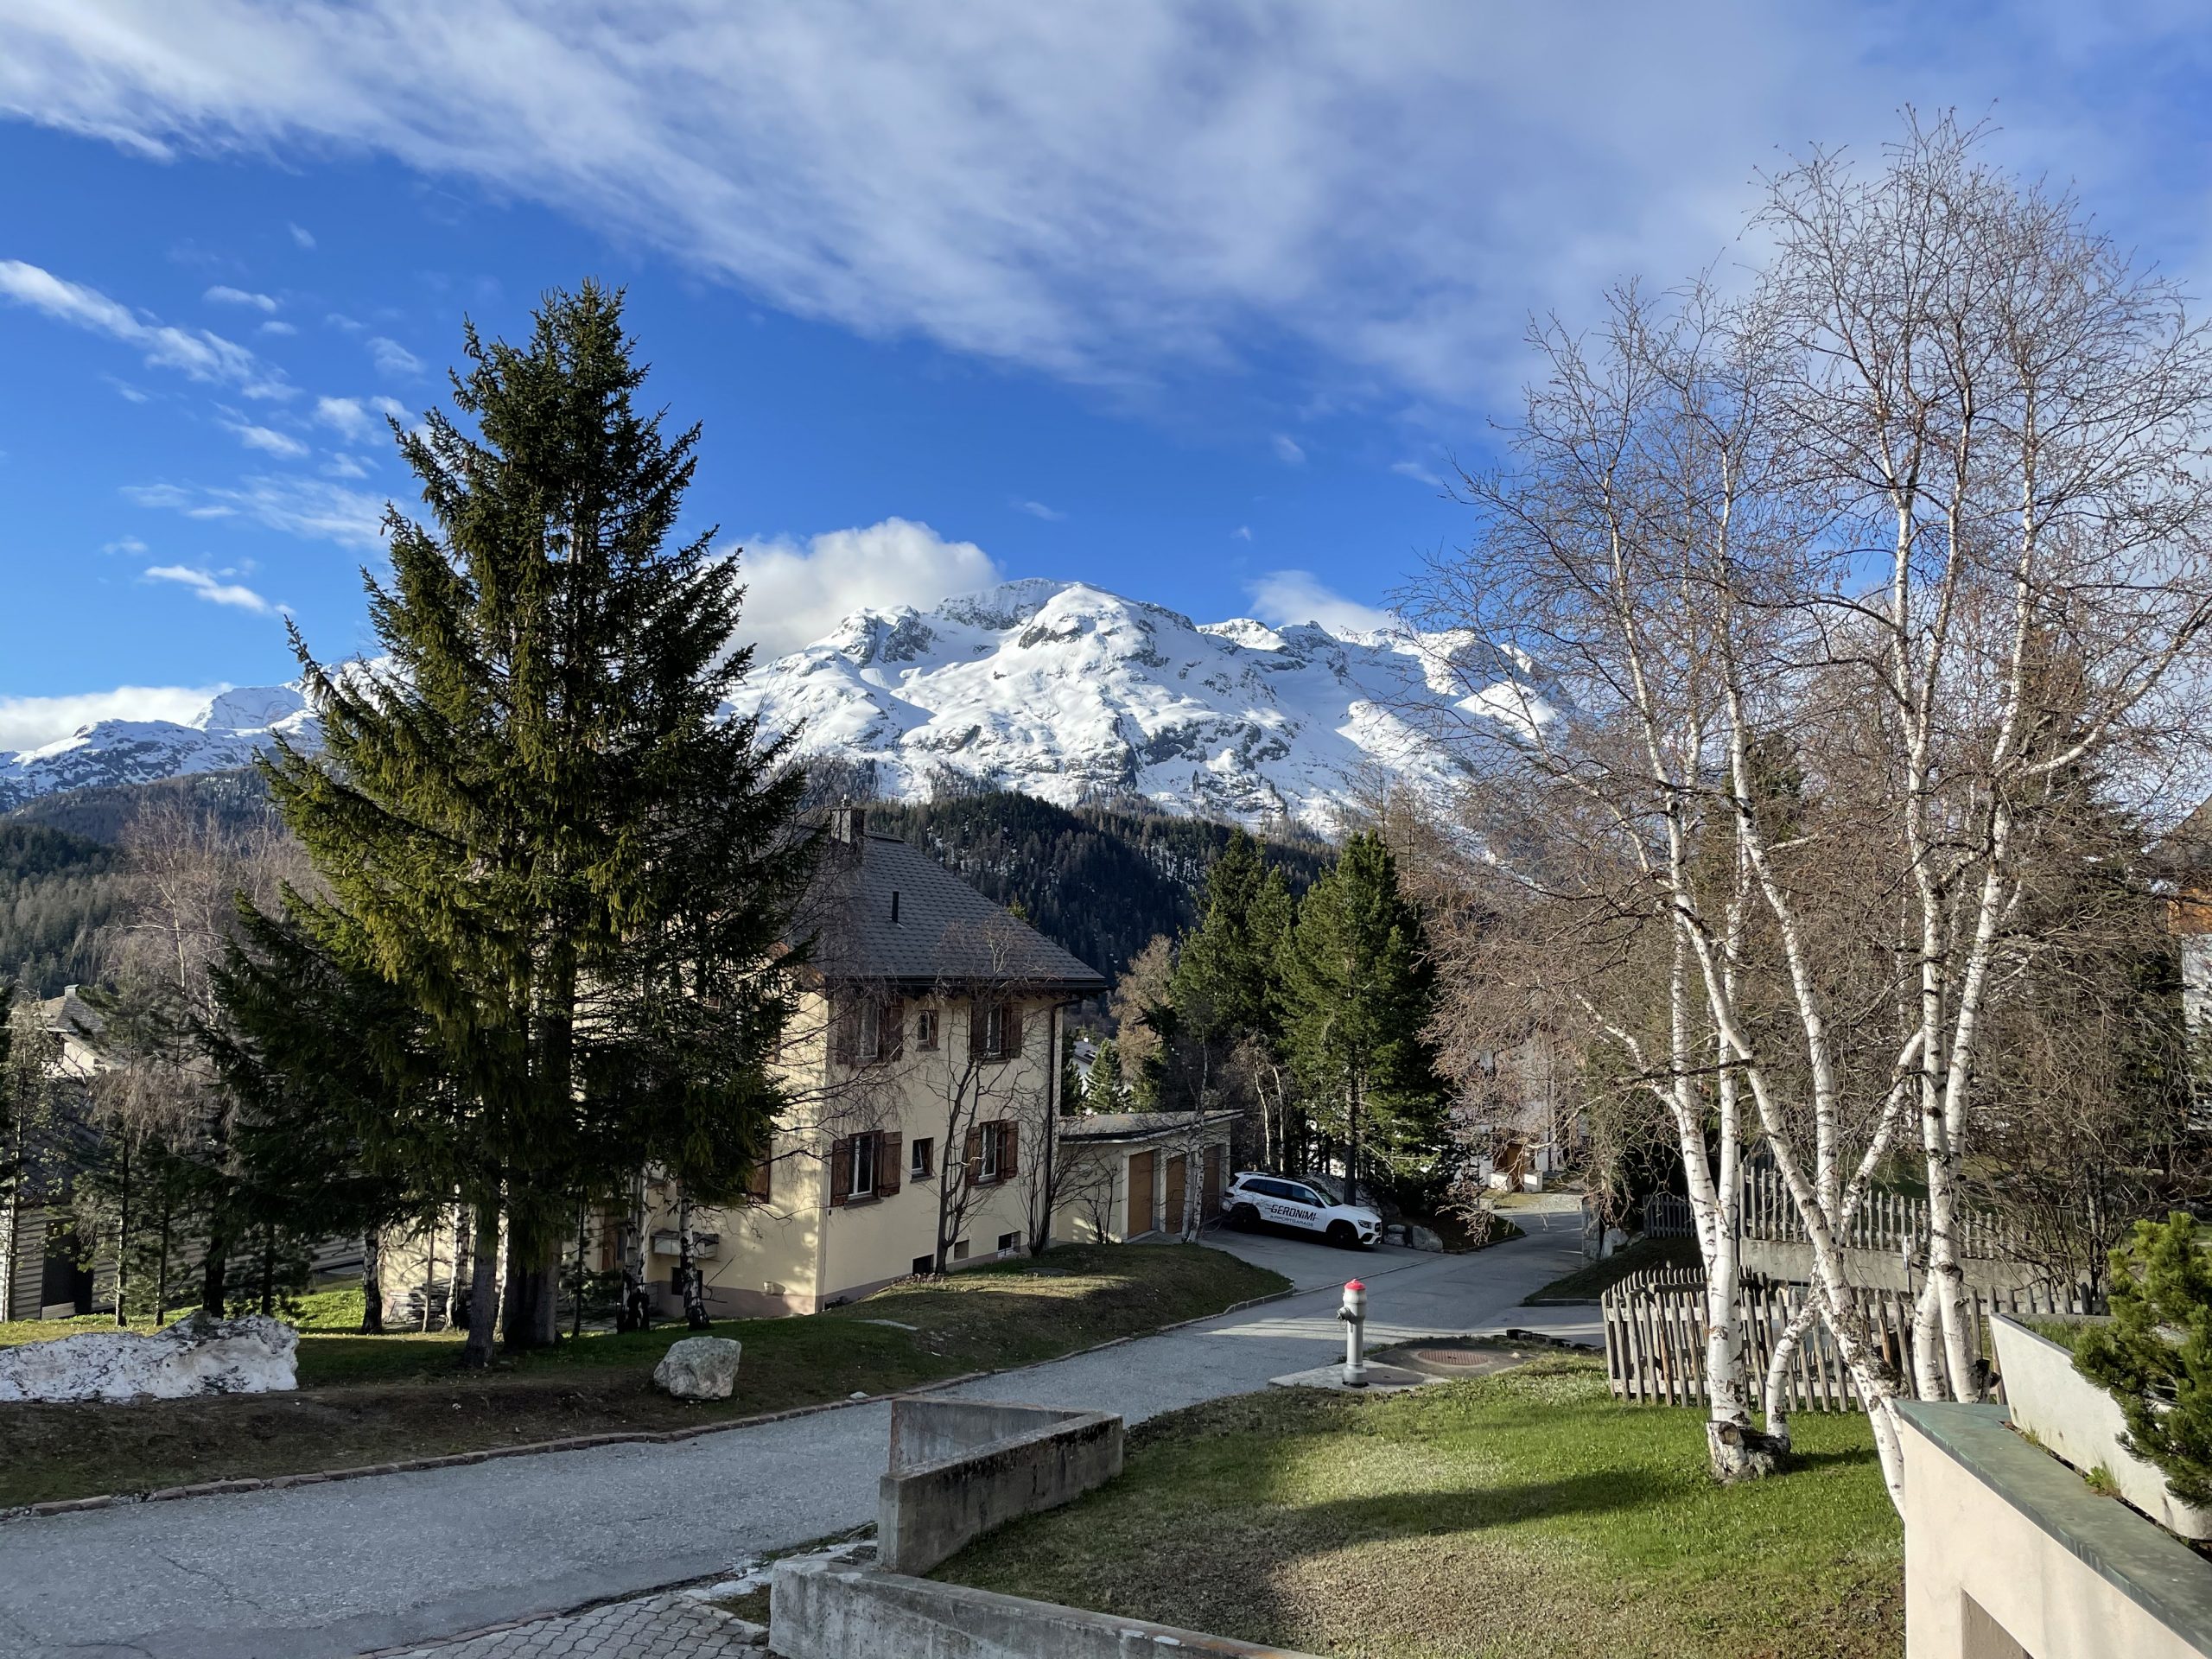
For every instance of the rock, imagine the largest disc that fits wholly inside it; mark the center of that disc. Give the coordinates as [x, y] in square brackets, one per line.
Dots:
[1394, 1234]
[699, 1368]
[253, 1354]
[1421, 1238]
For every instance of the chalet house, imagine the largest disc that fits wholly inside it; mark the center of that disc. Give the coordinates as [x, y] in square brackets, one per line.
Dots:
[923, 1073]
[41, 1275]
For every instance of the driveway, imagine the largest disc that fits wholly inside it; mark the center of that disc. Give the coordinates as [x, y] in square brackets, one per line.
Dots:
[333, 1570]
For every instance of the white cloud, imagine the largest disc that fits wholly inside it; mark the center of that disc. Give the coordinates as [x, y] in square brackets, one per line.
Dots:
[1038, 510]
[1287, 451]
[266, 439]
[1242, 533]
[305, 507]
[1282, 597]
[346, 414]
[1418, 474]
[282, 330]
[797, 591]
[303, 237]
[195, 351]
[214, 588]
[33, 723]
[221, 294]
[393, 358]
[344, 466]
[128, 544]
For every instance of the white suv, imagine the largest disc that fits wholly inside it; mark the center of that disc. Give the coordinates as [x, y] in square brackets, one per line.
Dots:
[1255, 1199]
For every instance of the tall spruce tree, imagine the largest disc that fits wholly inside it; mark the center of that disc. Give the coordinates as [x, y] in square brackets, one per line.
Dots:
[532, 820]
[1356, 993]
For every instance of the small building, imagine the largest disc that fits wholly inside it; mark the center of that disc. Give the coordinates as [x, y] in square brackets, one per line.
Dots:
[1128, 1174]
[923, 1071]
[43, 1272]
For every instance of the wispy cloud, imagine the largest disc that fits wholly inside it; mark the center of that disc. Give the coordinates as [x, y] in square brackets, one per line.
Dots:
[342, 465]
[195, 351]
[1288, 451]
[128, 546]
[1242, 533]
[310, 508]
[268, 440]
[1038, 510]
[1418, 474]
[223, 293]
[302, 236]
[357, 417]
[393, 358]
[33, 723]
[280, 329]
[1282, 597]
[213, 588]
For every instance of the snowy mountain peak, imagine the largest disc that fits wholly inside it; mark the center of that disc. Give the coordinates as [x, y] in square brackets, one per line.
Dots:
[1059, 689]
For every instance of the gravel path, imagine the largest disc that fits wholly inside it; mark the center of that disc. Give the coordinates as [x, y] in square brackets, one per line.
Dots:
[337, 1569]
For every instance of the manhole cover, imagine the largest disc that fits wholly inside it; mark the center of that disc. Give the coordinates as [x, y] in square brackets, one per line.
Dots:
[1460, 1356]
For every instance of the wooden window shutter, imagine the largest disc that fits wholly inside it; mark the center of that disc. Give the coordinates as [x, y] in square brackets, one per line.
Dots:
[890, 1152]
[1010, 1030]
[891, 1031]
[1009, 1150]
[841, 1169]
[973, 1154]
[759, 1183]
[976, 1027]
[845, 1029]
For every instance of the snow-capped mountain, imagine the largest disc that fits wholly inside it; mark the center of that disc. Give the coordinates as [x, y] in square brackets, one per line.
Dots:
[1057, 688]
[1065, 691]
[225, 734]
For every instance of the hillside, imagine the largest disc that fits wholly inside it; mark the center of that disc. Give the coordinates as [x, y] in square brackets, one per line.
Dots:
[1098, 881]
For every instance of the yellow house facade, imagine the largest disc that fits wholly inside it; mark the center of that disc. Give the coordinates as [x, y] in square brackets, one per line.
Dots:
[923, 1069]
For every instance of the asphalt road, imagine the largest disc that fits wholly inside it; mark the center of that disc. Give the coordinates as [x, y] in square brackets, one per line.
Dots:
[335, 1570]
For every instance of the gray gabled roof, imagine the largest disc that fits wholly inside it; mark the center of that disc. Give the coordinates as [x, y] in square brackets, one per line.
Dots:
[945, 934]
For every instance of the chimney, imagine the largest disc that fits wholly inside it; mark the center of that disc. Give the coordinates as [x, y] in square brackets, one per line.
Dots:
[849, 826]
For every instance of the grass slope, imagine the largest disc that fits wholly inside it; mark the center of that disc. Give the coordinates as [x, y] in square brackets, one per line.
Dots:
[1523, 1515]
[365, 1400]
[1587, 1284]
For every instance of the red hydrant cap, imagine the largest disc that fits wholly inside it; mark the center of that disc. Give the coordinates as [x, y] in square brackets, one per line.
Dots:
[1354, 1284]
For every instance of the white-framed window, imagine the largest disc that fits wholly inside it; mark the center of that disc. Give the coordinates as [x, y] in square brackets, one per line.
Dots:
[990, 1150]
[861, 1182]
[925, 1028]
[1007, 1242]
[994, 1029]
[922, 1163]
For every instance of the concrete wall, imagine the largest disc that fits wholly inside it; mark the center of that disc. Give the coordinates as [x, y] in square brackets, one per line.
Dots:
[959, 1468]
[2008, 1554]
[821, 1610]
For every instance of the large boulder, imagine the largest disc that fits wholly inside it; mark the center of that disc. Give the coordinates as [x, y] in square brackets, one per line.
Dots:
[1421, 1238]
[699, 1368]
[253, 1354]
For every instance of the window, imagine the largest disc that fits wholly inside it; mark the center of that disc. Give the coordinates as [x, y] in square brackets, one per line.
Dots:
[925, 1154]
[960, 1250]
[924, 1266]
[867, 1030]
[925, 1028]
[758, 1184]
[868, 1040]
[1007, 1242]
[994, 1029]
[991, 1148]
[863, 1164]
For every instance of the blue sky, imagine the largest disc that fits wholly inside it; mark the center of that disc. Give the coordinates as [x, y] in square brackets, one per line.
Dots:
[1194, 302]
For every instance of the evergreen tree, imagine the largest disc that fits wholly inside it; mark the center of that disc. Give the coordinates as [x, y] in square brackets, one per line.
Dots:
[534, 823]
[1356, 994]
[1102, 1090]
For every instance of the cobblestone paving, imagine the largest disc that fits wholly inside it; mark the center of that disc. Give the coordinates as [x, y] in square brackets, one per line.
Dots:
[669, 1626]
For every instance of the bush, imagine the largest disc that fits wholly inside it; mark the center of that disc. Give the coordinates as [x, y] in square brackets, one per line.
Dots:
[2155, 1358]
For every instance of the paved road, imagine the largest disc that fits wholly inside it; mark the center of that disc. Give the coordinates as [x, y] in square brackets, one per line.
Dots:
[334, 1570]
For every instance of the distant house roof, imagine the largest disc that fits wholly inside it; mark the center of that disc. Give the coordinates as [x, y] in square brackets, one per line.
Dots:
[1137, 1126]
[884, 911]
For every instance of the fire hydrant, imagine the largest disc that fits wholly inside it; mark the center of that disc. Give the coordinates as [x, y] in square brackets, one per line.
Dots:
[1354, 1315]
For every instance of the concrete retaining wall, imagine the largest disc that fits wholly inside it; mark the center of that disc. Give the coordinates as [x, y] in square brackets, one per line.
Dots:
[960, 1467]
[1880, 1269]
[820, 1610]
[2008, 1553]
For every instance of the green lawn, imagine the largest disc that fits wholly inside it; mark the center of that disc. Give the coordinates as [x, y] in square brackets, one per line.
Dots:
[365, 1400]
[1587, 1284]
[1525, 1514]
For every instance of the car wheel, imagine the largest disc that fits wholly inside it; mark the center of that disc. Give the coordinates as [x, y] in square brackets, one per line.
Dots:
[1342, 1236]
[1243, 1217]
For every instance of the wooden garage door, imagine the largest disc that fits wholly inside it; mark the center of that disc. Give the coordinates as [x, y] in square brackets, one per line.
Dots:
[1171, 1218]
[1140, 1194]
